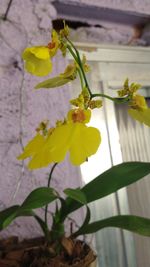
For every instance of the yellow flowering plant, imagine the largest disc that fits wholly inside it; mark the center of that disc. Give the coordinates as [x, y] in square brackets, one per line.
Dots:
[80, 141]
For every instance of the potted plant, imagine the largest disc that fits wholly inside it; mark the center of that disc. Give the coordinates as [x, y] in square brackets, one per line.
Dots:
[57, 248]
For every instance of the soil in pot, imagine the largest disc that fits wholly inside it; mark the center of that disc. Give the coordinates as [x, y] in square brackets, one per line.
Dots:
[36, 253]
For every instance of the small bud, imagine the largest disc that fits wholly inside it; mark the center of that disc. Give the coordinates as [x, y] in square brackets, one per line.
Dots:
[95, 104]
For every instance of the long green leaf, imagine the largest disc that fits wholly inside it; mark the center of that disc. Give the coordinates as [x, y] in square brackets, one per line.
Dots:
[109, 182]
[76, 194]
[131, 223]
[115, 178]
[7, 213]
[85, 223]
[38, 198]
[53, 82]
[42, 225]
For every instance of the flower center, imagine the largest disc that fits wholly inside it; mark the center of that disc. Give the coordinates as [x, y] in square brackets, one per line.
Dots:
[78, 115]
[51, 45]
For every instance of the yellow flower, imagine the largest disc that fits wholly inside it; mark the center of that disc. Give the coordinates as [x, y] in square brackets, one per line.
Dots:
[75, 137]
[139, 110]
[37, 60]
[78, 139]
[72, 136]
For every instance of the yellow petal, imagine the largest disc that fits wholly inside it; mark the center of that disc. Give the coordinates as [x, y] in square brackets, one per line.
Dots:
[32, 147]
[37, 60]
[138, 102]
[40, 52]
[60, 142]
[142, 116]
[85, 142]
[42, 159]
[38, 67]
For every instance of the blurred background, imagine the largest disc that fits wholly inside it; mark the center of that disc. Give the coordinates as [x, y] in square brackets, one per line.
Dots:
[115, 37]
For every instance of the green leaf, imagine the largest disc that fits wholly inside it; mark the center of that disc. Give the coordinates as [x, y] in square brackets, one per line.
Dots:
[131, 223]
[85, 223]
[109, 182]
[76, 194]
[7, 214]
[38, 198]
[43, 225]
[53, 82]
[115, 178]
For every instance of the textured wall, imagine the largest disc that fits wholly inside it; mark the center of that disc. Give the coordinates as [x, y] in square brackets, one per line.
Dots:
[22, 108]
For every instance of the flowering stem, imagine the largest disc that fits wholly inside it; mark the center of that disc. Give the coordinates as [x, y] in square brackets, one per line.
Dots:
[48, 185]
[83, 73]
[82, 76]
[78, 69]
[81, 79]
[114, 99]
[79, 61]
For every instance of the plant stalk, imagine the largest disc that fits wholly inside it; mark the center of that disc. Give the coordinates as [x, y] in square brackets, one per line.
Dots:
[48, 185]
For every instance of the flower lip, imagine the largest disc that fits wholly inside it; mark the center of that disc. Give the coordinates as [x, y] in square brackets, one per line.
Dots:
[41, 52]
[37, 60]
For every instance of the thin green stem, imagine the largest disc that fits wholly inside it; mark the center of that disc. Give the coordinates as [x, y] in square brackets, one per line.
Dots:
[116, 100]
[81, 79]
[83, 72]
[72, 53]
[78, 69]
[82, 76]
[79, 61]
[48, 185]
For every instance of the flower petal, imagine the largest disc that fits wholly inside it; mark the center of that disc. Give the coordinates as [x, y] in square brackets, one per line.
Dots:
[33, 147]
[60, 142]
[38, 67]
[42, 159]
[142, 116]
[85, 143]
[40, 52]
[38, 60]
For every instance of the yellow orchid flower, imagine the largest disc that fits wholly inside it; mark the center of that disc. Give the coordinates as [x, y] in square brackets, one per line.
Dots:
[78, 139]
[73, 136]
[139, 110]
[37, 60]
